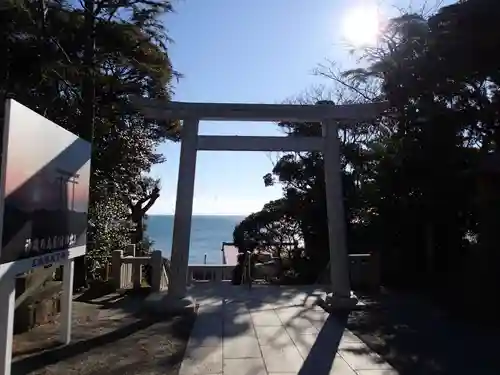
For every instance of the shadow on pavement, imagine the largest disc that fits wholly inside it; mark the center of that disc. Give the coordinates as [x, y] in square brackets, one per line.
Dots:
[110, 335]
[417, 338]
[409, 334]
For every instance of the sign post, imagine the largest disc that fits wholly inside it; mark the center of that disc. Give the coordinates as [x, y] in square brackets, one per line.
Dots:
[67, 301]
[7, 299]
[44, 195]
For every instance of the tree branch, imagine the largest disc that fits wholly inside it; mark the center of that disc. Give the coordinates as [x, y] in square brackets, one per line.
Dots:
[152, 199]
[328, 73]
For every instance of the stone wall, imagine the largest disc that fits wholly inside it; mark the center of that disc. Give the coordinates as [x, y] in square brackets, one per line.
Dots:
[40, 308]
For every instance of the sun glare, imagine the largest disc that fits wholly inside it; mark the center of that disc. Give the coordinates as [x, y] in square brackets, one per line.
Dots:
[361, 26]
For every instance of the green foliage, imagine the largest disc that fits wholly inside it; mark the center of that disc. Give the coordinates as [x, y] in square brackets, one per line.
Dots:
[44, 67]
[140, 197]
[109, 233]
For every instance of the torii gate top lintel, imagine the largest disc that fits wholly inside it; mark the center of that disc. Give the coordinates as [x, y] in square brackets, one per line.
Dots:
[328, 114]
[160, 109]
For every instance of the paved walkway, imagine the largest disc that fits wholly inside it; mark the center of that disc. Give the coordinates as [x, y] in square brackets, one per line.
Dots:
[272, 330]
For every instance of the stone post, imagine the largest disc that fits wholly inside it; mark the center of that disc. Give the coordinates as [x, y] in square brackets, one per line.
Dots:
[136, 274]
[116, 268]
[130, 250]
[156, 270]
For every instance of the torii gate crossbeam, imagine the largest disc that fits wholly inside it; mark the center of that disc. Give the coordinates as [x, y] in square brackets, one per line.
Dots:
[191, 142]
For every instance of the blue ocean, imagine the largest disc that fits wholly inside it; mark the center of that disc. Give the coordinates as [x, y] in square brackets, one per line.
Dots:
[207, 235]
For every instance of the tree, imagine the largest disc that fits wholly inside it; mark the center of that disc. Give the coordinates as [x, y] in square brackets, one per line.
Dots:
[272, 229]
[141, 198]
[411, 178]
[44, 67]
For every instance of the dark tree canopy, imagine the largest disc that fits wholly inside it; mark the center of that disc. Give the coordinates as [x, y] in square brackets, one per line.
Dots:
[43, 66]
[420, 186]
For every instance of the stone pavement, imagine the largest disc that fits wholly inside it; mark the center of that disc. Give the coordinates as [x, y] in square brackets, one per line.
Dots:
[272, 330]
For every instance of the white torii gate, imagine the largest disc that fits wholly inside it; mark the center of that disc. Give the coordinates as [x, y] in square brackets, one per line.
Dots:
[325, 112]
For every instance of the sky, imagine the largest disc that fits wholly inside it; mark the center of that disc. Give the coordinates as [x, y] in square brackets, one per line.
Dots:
[253, 51]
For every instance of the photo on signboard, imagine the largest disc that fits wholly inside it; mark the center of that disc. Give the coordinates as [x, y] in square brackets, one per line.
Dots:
[45, 177]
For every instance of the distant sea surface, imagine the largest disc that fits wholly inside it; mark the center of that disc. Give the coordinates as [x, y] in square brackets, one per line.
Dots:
[207, 235]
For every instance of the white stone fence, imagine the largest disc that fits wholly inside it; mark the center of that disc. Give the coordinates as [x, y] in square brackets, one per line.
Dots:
[364, 271]
[209, 272]
[126, 271]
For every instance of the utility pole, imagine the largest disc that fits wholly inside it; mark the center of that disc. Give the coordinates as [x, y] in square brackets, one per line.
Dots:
[88, 94]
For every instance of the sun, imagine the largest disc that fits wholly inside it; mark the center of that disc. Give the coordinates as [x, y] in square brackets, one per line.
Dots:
[361, 26]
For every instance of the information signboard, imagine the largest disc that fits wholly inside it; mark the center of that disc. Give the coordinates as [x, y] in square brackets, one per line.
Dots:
[44, 197]
[44, 190]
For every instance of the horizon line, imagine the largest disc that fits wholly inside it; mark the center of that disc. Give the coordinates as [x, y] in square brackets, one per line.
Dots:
[199, 214]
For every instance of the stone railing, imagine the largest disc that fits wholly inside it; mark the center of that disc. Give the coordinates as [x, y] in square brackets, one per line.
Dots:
[364, 270]
[126, 270]
[209, 272]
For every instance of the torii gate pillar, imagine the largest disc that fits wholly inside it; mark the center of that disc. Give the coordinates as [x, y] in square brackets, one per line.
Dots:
[325, 112]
